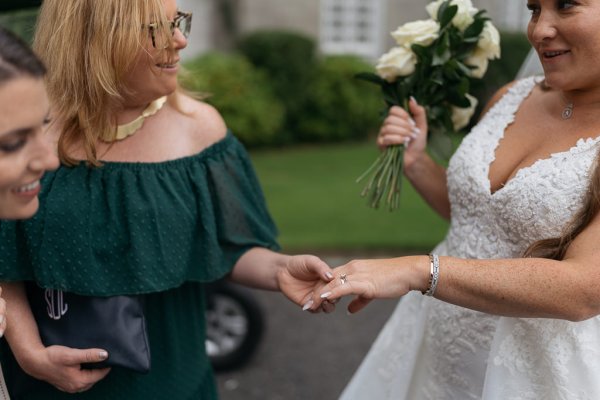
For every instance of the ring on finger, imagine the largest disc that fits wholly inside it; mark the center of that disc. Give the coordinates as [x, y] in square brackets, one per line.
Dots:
[343, 279]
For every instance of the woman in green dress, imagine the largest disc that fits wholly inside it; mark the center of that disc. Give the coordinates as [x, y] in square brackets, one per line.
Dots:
[154, 197]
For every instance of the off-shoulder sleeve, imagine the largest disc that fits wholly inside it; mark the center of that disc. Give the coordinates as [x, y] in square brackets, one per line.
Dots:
[129, 228]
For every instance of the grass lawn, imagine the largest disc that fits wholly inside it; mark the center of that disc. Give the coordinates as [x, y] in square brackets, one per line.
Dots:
[313, 197]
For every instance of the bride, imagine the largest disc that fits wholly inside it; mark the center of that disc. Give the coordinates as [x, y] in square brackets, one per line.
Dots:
[512, 295]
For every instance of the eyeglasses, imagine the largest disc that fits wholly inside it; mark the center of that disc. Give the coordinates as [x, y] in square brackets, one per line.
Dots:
[182, 21]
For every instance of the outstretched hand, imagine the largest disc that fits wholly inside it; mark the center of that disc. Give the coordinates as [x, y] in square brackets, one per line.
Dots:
[370, 279]
[303, 277]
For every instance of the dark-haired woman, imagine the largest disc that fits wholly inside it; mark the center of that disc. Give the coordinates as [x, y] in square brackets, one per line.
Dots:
[25, 152]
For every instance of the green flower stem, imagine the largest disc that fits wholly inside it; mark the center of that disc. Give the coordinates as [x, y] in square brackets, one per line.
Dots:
[386, 178]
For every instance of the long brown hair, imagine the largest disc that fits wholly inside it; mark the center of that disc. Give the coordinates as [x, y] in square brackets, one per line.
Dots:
[556, 248]
[88, 47]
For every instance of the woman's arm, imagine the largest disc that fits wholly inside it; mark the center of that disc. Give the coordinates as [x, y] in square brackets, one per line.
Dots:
[296, 276]
[57, 365]
[525, 287]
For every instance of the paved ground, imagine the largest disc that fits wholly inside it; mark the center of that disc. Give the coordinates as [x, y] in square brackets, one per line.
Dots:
[305, 356]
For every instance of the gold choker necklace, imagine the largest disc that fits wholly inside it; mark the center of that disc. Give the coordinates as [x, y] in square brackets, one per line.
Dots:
[128, 129]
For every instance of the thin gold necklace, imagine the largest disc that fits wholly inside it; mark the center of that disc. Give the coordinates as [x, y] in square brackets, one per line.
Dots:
[128, 129]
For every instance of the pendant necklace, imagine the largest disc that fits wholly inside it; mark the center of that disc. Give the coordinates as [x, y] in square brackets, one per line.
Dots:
[567, 111]
[128, 129]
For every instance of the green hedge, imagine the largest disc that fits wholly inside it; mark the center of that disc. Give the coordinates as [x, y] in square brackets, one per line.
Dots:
[21, 22]
[339, 107]
[289, 59]
[241, 93]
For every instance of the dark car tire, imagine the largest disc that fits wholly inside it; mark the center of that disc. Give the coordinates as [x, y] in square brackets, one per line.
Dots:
[234, 325]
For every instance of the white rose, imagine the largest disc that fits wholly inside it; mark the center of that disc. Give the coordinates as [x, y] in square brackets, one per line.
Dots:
[462, 116]
[489, 41]
[399, 61]
[479, 59]
[463, 17]
[422, 33]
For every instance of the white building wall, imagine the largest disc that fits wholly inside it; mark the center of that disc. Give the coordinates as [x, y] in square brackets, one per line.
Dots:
[200, 35]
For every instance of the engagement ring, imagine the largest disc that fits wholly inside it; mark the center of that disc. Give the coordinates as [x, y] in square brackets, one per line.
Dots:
[343, 278]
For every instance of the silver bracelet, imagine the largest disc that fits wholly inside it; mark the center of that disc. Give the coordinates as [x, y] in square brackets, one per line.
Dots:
[434, 274]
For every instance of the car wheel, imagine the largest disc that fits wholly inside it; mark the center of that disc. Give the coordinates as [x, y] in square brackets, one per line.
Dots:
[234, 326]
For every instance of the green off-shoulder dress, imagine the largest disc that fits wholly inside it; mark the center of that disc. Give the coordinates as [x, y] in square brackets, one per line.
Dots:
[159, 229]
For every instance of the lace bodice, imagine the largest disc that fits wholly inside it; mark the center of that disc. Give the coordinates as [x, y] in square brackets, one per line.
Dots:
[433, 350]
[535, 204]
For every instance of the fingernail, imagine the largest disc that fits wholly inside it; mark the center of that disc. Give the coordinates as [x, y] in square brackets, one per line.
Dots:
[1, 319]
[329, 275]
[325, 295]
[413, 99]
[412, 122]
[308, 305]
[103, 355]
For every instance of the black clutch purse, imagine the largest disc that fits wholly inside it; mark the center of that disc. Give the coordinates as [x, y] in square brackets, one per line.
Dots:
[115, 323]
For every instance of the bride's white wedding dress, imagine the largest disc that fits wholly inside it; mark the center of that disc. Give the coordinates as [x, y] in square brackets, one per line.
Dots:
[433, 350]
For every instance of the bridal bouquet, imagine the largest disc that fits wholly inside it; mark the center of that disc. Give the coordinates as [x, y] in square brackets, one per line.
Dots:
[434, 61]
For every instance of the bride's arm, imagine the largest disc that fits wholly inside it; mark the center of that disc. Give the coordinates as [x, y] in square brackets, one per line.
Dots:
[525, 287]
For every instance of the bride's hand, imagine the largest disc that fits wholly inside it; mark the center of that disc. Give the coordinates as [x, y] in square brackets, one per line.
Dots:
[400, 128]
[371, 279]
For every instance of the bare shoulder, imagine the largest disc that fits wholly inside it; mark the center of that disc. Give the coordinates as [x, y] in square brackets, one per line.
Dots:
[497, 96]
[206, 123]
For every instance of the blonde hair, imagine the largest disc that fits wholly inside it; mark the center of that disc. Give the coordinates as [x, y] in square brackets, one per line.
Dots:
[88, 47]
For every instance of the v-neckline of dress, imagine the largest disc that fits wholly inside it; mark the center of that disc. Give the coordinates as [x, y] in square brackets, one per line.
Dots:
[532, 82]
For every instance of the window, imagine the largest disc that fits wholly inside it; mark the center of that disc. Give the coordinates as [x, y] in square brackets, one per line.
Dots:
[352, 27]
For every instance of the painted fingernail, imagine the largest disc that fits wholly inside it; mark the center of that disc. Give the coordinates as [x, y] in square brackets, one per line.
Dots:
[329, 275]
[308, 305]
[103, 355]
[326, 295]
[412, 122]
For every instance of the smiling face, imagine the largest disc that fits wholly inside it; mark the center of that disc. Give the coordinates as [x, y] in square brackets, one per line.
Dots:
[567, 40]
[154, 73]
[25, 153]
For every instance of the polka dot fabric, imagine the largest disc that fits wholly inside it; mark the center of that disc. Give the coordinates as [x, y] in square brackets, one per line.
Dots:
[130, 228]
